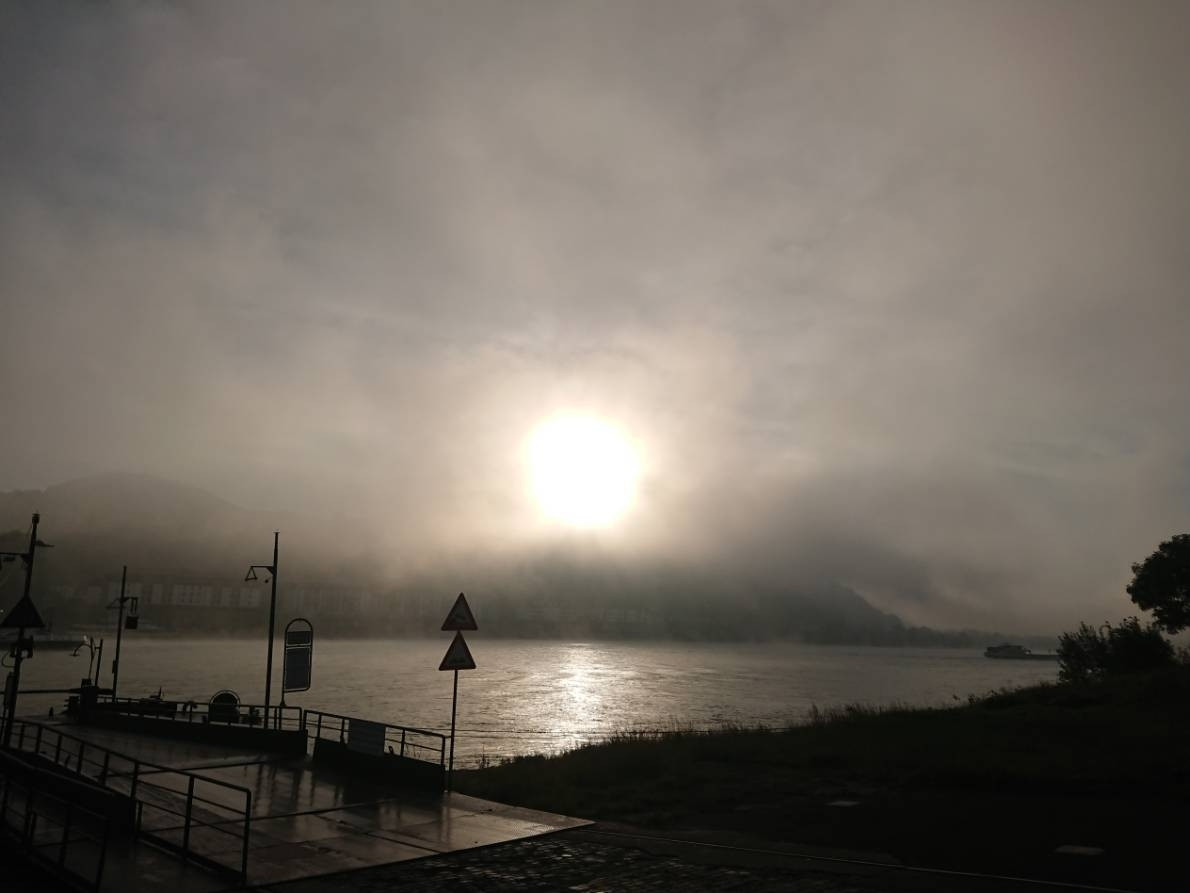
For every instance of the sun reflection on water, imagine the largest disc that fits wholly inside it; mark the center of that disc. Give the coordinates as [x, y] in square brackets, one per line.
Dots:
[580, 676]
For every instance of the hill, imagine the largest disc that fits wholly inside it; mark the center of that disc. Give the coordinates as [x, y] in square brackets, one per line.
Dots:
[184, 536]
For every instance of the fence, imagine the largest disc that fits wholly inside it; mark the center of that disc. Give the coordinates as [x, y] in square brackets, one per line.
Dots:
[59, 834]
[252, 715]
[368, 736]
[189, 813]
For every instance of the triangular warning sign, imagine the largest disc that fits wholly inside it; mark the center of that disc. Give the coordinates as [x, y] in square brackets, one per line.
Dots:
[460, 616]
[458, 655]
[22, 616]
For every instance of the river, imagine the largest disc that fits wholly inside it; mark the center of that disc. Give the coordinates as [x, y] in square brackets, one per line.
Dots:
[540, 696]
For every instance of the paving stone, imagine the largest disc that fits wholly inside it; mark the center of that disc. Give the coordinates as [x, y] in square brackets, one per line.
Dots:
[568, 862]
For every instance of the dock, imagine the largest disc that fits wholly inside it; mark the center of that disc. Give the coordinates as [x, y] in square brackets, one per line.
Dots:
[128, 796]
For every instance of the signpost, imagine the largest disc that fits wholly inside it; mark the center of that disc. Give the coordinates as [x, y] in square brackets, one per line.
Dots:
[23, 616]
[458, 657]
[460, 616]
[298, 659]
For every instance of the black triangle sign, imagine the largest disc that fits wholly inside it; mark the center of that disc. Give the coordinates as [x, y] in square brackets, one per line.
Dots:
[458, 655]
[22, 616]
[460, 616]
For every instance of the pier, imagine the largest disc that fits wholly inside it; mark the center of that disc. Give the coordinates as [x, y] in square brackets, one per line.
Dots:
[137, 795]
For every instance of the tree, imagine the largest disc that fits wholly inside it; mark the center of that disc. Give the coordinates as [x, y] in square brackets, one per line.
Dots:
[1110, 650]
[1161, 583]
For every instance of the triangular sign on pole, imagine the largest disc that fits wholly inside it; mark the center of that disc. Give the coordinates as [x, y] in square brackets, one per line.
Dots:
[458, 655]
[24, 616]
[460, 616]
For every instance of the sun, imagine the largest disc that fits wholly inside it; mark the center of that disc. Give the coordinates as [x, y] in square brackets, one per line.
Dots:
[584, 471]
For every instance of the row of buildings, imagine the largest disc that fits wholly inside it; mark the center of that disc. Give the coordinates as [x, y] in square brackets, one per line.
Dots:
[182, 601]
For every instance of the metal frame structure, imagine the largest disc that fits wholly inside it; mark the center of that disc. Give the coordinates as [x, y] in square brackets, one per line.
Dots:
[169, 804]
[46, 826]
[405, 741]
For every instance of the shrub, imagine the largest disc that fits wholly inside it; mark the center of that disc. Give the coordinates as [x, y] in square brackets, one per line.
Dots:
[1089, 653]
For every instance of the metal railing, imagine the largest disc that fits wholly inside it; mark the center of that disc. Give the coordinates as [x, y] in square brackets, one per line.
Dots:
[175, 808]
[60, 835]
[253, 715]
[368, 736]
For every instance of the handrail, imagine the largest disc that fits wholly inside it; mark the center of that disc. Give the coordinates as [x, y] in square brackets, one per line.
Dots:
[254, 715]
[36, 796]
[396, 739]
[111, 777]
[377, 722]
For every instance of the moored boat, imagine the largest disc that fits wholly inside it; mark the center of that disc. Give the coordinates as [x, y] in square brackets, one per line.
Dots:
[1015, 652]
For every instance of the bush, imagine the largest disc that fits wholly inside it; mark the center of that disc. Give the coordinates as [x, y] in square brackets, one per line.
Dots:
[1090, 653]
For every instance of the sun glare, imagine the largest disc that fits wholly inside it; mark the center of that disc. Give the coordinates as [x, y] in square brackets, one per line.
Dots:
[584, 471]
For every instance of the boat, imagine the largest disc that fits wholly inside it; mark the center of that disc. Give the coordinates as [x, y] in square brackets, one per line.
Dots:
[1015, 652]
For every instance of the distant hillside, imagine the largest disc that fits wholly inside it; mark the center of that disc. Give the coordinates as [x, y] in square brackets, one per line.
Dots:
[98, 523]
[185, 536]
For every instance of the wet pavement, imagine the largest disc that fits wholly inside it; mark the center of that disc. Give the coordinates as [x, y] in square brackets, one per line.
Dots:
[307, 820]
[318, 830]
[587, 860]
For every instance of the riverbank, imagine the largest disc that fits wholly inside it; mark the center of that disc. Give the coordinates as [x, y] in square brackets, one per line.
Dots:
[998, 784]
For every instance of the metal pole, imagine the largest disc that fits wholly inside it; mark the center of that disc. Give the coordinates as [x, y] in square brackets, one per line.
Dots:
[454, 706]
[99, 664]
[268, 673]
[119, 633]
[11, 707]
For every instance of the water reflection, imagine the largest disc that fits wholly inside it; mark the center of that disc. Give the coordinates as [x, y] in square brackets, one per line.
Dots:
[583, 689]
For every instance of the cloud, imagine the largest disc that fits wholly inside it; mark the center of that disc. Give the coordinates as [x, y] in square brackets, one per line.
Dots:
[892, 294]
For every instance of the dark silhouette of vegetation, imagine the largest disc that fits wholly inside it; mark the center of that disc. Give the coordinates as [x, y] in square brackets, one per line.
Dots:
[1161, 583]
[974, 786]
[1089, 653]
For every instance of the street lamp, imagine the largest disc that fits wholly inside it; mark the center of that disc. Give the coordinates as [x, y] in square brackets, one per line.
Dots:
[89, 643]
[271, 569]
[131, 622]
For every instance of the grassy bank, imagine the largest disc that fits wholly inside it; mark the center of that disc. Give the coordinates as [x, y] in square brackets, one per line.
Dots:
[1097, 763]
[1110, 736]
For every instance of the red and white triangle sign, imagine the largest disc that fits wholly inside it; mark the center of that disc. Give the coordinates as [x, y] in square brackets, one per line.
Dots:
[460, 616]
[458, 655]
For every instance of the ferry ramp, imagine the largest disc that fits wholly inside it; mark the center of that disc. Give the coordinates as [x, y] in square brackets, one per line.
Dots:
[303, 818]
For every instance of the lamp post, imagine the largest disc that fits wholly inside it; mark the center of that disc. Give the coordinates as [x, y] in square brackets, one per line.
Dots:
[251, 575]
[22, 616]
[132, 620]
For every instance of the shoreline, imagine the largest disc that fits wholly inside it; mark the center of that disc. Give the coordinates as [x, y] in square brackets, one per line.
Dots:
[1000, 783]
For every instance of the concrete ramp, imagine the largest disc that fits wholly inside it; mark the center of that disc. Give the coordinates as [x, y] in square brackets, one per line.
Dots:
[381, 832]
[309, 819]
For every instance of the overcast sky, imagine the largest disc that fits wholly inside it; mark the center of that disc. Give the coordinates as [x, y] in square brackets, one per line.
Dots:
[889, 293]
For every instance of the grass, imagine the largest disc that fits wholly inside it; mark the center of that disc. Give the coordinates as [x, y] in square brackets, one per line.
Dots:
[1052, 738]
[1083, 760]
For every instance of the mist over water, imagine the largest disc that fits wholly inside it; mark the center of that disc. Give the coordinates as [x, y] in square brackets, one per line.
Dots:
[528, 697]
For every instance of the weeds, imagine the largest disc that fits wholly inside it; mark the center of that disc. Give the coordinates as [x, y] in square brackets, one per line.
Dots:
[1110, 736]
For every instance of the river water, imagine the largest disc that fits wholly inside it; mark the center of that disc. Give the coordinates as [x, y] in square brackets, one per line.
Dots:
[535, 696]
